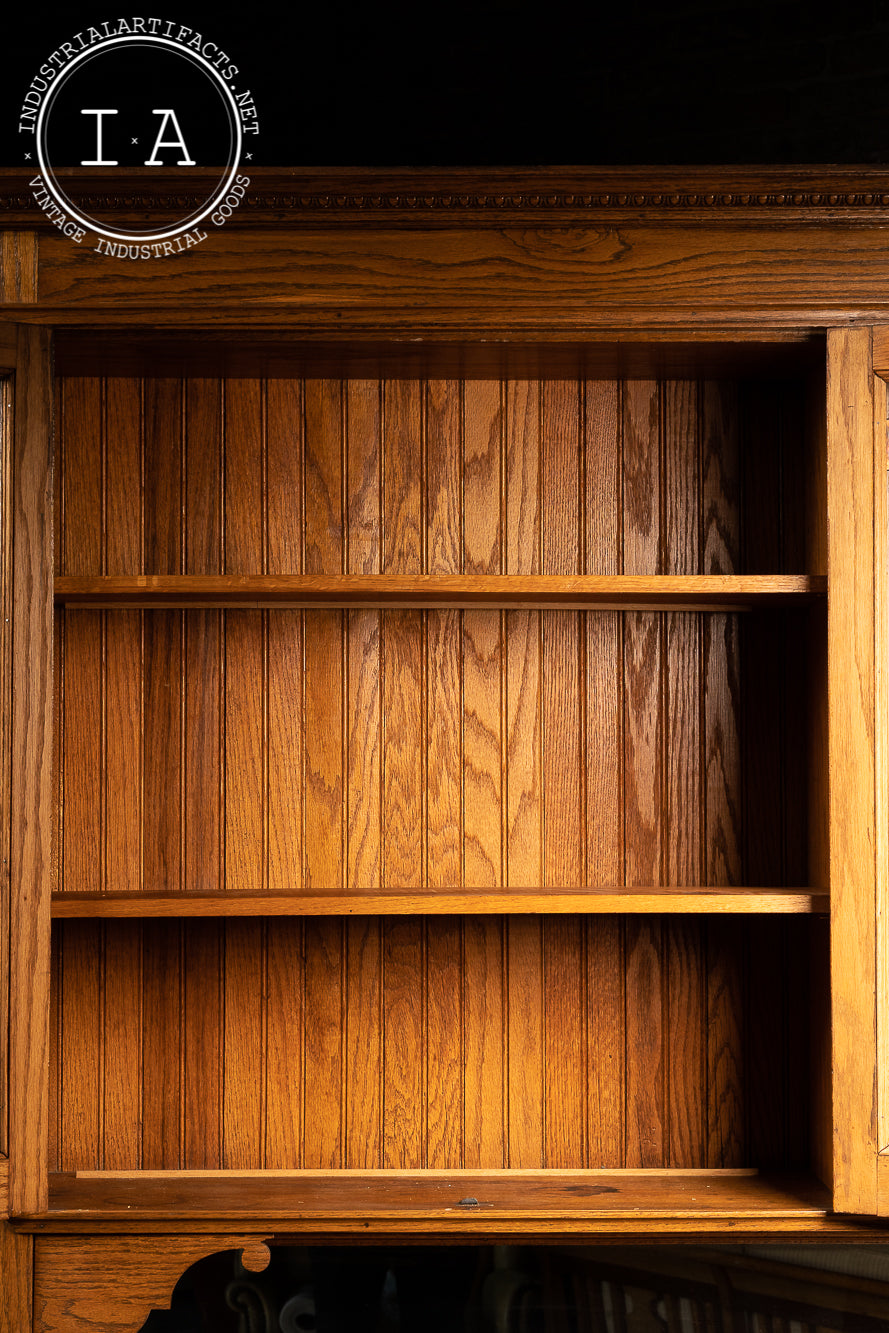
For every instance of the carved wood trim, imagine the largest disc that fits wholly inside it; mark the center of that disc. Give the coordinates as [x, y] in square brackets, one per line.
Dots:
[113, 1282]
[279, 196]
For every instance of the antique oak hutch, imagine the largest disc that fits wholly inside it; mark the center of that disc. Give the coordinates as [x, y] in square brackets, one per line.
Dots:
[444, 743]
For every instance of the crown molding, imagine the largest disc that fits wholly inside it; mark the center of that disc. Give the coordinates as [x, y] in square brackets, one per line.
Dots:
[293, 197]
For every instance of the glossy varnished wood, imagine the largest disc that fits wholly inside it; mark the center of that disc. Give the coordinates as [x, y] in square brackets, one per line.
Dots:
[851, 666]
[440, 901]
[31, 836]
[382, 592]
[478, 1020]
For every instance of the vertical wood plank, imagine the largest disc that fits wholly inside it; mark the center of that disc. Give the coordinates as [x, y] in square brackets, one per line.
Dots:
[726, 956]
[482, 644]
[244, 1050]
[323, 1062]
[484, 1141]
[528, 1073]
[562, 717]
[404, 710]
[362, 629]
[323, 646]
[643, 714]
[81, 1046]
[284, 1046]
[204, 544]
[444, 635]
[83, 497]
[723, 814]
[162, 643]
[284, 502]
[646, 1110]
[403, 1042]
[682, 637]
[203, 1052]
[852, 793]
[603, 741]
[122, 1047]
[685, 1038]
[522, 636]
[245, 864]
[245, 643]
[444, 1048]
[16, 1280]
[564, 1050]
[606, 1042]
[364, 1044]
[31, 788]
[161, 1045]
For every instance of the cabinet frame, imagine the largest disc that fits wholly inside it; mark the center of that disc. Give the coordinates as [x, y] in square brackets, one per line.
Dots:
[307, 279]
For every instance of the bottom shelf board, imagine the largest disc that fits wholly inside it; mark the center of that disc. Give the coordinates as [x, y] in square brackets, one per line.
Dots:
[444, 1202]
[438, 902]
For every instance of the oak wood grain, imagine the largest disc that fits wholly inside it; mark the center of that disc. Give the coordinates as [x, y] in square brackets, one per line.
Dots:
[850, 655]
[32, 831]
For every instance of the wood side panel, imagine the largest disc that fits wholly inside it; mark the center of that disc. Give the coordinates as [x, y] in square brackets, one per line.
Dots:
[850, 658]
[31, 784]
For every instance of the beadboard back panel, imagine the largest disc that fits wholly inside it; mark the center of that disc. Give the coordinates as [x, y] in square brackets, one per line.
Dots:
[441, 1042]
[250, 751]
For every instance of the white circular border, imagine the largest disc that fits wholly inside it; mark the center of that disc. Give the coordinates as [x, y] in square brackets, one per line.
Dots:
[146, 238]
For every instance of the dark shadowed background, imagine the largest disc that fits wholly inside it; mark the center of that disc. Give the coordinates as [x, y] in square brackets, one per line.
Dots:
[510, 82]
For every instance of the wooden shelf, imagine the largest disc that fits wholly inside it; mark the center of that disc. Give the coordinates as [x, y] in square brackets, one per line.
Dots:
[437, 902]
[456, 1202]
[667, 592]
